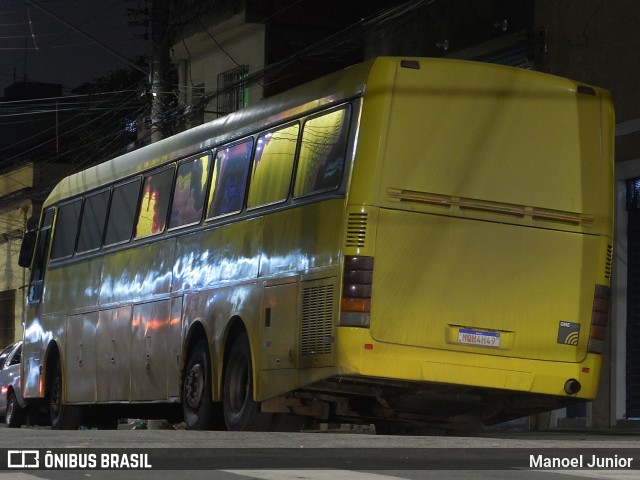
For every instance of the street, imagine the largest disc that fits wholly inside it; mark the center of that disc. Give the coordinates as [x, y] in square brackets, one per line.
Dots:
[142, 454]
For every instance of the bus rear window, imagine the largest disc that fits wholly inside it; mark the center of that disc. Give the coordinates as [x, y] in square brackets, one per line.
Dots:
[229, 179]
[122, 213]
[272, 166]
[322, 153]
[64, 237]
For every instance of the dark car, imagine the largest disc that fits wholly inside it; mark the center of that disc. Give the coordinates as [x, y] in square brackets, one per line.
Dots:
[11, 401]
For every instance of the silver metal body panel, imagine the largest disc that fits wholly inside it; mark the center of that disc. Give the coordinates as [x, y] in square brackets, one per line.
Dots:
[81, 357]
[10, 377]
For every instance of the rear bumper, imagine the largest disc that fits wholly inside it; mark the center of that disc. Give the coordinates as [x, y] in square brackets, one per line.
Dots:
[359, 354]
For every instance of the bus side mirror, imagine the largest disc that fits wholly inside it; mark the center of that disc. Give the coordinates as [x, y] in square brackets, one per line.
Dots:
[26, 250]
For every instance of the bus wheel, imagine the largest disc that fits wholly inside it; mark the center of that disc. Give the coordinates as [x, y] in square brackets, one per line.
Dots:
[240, 411]
[13, 416]
[196, 389]
[63, 417]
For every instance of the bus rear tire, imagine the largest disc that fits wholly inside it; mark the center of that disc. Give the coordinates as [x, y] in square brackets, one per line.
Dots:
[200, 413]
[241, 413]
[63, 417]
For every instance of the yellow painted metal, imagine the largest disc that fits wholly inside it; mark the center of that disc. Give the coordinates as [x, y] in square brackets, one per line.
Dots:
[485, 196]
[435, 274]
[415, 364]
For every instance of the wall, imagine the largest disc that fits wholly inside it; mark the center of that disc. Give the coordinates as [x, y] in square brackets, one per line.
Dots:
[15, 209]
[207, 53]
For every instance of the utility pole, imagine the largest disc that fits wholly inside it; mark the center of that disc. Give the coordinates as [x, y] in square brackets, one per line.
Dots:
[159, 66]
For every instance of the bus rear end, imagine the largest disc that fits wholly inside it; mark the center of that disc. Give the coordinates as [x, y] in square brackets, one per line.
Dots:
[477, 258]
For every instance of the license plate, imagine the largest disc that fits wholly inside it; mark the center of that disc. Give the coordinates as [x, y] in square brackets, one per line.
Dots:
[481, 339]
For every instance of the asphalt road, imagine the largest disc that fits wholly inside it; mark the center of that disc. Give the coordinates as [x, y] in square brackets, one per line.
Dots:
[163, 454]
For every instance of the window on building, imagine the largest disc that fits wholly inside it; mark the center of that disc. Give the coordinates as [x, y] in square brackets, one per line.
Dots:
[7, 318]
[232, 90]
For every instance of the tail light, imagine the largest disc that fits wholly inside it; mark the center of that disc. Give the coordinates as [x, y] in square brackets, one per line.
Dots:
[599, 318]
[356, 291]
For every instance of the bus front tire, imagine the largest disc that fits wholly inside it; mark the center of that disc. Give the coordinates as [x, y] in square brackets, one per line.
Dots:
[198, 409]
[241, 413]
[63, 417]
[14, 417]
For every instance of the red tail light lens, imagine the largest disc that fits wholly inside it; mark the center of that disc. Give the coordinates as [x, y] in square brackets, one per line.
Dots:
[356, 291]
[599, 318]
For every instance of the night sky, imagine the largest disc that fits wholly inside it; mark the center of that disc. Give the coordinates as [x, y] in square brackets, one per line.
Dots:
[54, 53]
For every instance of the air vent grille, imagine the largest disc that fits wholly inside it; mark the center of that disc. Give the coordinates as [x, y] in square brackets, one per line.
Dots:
[356, 230]
[317, 320]
[609, 265]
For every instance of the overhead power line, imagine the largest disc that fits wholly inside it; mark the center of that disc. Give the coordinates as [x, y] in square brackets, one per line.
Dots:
[33, 37]
[86, 35]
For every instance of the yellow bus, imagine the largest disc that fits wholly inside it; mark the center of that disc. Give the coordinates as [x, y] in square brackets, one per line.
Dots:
[411, 243]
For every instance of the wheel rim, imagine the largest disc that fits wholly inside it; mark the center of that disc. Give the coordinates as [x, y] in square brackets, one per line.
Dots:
[194, 386]
[239, 387]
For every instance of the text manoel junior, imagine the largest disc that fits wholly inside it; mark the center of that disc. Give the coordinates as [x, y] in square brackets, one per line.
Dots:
[579, 461]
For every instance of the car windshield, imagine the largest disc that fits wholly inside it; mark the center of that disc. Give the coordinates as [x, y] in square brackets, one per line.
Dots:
[5, 353]
[16, 356]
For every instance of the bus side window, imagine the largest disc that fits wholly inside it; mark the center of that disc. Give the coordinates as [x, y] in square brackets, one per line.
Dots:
[272, 166]
[229, 179]
[94, 216]
[190, 192]
[122, 212]
[39, 261]
[154, 203]
[322, 153]
[66, 232]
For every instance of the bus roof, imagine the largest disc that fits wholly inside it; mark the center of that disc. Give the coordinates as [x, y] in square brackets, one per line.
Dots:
[323, 92]
[329, 90]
